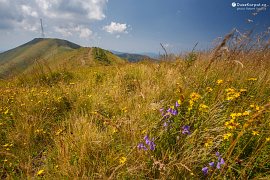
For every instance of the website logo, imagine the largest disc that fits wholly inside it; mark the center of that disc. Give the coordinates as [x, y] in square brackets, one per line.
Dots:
[249, 6]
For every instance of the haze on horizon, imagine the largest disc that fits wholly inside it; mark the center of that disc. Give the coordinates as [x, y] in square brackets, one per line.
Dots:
[127, 26]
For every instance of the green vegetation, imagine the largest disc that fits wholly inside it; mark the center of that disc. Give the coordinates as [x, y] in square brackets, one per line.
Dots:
[148, 120]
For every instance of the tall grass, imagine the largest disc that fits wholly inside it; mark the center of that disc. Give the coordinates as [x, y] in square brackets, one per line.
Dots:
[88, 122]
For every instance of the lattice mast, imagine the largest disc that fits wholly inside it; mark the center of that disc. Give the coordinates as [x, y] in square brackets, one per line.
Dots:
[42, 29]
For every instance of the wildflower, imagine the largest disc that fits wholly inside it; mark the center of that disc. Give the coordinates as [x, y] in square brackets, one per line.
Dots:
[230, 90]
[172, 111]
[122, 160]
[208, 143]
[267, 139]
[141, 146]
[219, 81]
[243, 90]
[212, 164]
[203, 108]
[232, 94]
[209, 89]
[186, 129]
[150, 143]
[205, 170]
[227, 136]
[40, 172]
[255, 133]
[177, 103]
[5, 145]
[252, 79]
[195, 96]
[220, 160]
[59, 132]
[115, 130]
[166, 124]
[246, 113]
[231, 124]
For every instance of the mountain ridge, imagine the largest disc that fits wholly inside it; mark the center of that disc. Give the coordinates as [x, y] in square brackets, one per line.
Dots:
[55, 52]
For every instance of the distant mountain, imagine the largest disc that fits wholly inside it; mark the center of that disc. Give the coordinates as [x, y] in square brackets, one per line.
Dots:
[52, 52]
[150, 54]
[131, 57]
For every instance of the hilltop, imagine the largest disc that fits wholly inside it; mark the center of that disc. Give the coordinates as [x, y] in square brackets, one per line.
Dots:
[52, 52]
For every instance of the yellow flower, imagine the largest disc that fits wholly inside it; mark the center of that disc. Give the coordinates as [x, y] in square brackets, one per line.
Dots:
[255, 133]
[115, 130]
[122, 160]
[239, 114]
[203, 108]
[246, 113]
[6, 145]
[219, 81]
[195, 96]
[59, 132]
[243, 90]
[267, 139]
[124, 109]
[233, 115]
[230, 90]
[231, 124]
[209, 89]
[227, 136]
[257, 108]
[209, 143]
[252, 79]
[40, 172]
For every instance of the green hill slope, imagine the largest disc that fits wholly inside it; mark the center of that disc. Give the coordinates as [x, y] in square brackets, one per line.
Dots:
[52, 52]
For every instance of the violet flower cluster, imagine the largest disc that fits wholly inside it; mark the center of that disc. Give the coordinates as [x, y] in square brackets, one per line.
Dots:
[150, 143]
[218, 164]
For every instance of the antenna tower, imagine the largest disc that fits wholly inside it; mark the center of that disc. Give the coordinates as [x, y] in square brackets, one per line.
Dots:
[42, 30]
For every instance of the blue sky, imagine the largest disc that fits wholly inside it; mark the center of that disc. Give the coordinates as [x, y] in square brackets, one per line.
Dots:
[129, 25]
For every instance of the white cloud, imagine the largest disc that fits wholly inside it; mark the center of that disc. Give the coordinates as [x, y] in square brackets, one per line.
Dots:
[27, 10]
[72, 30]
[116, 28]
[72, 9]
[94, 8]
[64, 17]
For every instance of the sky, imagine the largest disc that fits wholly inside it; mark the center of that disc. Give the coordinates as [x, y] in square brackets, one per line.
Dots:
[133, 26]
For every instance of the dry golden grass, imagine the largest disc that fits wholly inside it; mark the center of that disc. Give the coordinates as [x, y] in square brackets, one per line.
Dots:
[87, 122]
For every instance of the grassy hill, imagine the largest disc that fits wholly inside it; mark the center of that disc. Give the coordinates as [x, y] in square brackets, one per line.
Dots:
[53, 53]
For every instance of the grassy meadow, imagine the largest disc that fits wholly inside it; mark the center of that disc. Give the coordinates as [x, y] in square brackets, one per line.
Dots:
[205, 117]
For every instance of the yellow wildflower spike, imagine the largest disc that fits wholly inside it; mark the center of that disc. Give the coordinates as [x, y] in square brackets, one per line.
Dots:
[122, 160]
[255, 133]
[40, 172]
